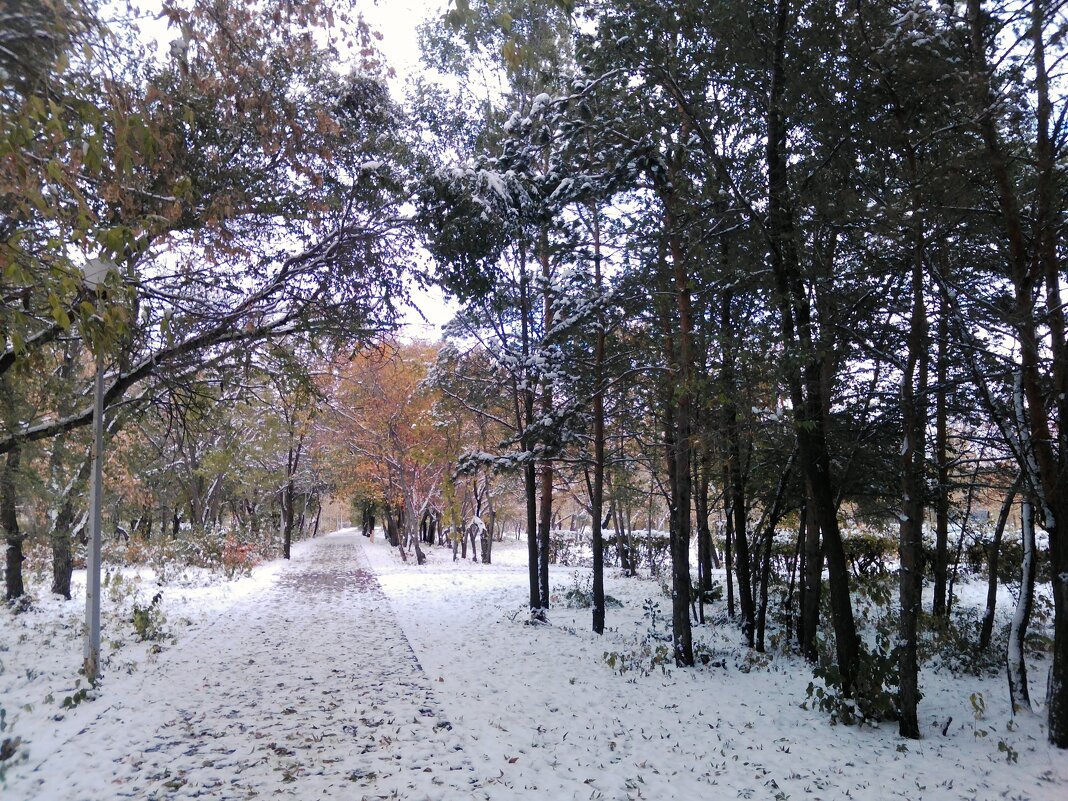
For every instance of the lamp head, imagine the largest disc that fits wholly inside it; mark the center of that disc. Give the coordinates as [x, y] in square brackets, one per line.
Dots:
[96, 272]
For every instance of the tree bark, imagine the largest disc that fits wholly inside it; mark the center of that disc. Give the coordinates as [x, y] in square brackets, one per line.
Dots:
[1019, 695]
[680, 453]
[941, 556]
[774, 516]
[735, 485]
[914, 421]
[811, 586]
[287, 519]
[10, 523]
[986, 631]
[597, 499]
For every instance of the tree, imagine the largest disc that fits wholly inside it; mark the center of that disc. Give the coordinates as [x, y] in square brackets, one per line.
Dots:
[385, 434]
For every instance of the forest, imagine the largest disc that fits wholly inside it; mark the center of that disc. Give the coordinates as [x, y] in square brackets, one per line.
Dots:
[761, 299]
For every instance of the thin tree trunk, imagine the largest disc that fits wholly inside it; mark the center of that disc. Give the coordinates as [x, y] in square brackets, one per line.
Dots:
[10, 523]
[287, 519]
[969, 500]
[993, 559]
[774, 516]
[812, 578]
[728, 547]
[705, 548]
[806, 387]
[679, 419]
[597, 499]
[1017, 664]
[941, 556]
[796, 566]
[545, 510]
[735, 485]
[538, 612]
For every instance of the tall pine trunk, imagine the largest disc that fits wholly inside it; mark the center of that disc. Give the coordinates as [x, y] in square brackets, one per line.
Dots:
[914, 422]
[941, 556]
[597, 499]
[805, 384]
[10, 523]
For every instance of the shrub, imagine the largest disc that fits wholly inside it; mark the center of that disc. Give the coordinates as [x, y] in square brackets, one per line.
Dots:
[650, 651]
[580, 594]
[874, 695]
[149, 621]
[874, 692]
[870, 553]
[11, 748]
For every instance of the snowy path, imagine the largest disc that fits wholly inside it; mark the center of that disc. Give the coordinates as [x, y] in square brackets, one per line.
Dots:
[306, 689]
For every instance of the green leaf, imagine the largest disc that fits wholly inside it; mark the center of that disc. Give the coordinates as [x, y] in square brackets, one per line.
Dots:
[59, 314]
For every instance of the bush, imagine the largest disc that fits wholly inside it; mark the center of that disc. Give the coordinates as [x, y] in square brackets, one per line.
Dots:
[870, 553]
[874, 695]
[952, 644]
[976, 559]
[580, 594]
[12, 750]
[650, 651]
[149, 621]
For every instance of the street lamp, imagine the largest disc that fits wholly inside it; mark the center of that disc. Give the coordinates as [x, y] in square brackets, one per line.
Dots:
[96, 271]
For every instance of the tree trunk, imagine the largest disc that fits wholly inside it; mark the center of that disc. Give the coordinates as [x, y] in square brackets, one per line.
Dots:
[705, 547]
[728, 547]
[941, 557]
[735, 485]
[679, 457]
[1044, 466]
[797, 565]
[597, 499]
[545, 510]
[774, 516]
[9, 522]
[812, 586]
[287, 519]
[806, 386]
[318, 516]
[993, 559]
[487, 537]
[914, 421]
[1017, 664]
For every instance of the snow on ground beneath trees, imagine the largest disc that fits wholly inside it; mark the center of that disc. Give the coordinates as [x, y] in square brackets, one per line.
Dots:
[299, 681]
[545, 715]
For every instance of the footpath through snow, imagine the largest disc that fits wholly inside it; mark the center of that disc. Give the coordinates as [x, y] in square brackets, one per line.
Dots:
[305, 689]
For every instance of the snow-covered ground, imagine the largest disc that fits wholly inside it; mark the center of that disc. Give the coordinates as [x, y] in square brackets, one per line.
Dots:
[298, 682]
[293, 683]
[545, 715]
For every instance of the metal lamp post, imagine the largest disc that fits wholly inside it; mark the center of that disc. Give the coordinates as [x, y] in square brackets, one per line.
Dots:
[96, 272]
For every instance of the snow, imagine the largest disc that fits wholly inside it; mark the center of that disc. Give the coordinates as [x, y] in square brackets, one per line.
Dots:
[546, 715]
[313, 679]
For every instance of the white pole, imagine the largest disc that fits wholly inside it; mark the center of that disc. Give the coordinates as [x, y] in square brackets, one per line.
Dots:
[96, 272]
[92, 580]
